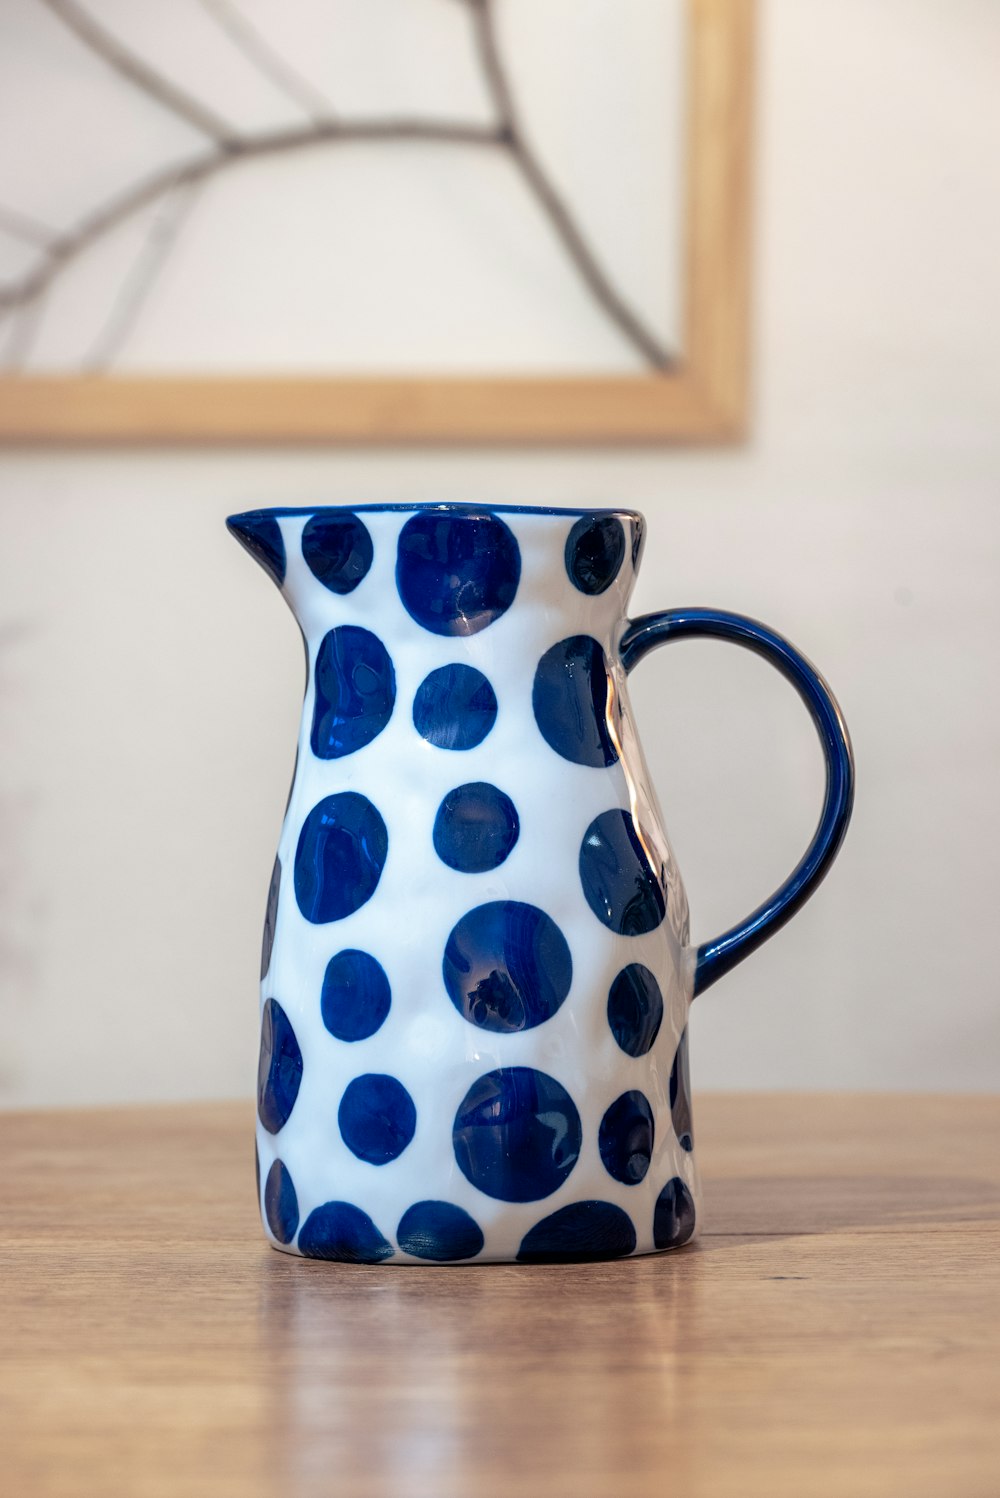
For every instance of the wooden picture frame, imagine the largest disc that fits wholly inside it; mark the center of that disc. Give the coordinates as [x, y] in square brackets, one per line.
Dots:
[704, 398]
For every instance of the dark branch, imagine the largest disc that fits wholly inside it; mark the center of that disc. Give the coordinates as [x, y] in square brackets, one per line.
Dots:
[163, 230]
[508, 134]
[21, 334]
[200, 168]
[20, 226]
[549, 199]
[260, 52]
[138, 72]
[489, 57]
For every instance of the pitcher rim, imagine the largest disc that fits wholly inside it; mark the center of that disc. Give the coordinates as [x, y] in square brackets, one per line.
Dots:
[446, 507]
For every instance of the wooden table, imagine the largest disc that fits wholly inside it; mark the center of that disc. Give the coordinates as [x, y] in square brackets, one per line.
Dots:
[835, 1331]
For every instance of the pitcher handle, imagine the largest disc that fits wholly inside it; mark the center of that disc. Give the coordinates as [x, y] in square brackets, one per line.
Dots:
[714, 958]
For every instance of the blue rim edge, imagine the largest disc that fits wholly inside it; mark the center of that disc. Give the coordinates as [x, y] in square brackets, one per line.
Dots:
[715, 958]
[277, 512]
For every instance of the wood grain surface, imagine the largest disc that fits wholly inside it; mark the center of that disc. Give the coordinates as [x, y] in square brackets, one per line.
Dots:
[835, 1331]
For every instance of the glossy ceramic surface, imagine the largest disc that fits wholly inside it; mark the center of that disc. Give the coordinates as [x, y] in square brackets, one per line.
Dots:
[476, 969]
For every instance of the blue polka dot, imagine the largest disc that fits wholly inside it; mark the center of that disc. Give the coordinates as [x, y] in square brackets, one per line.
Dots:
[618, 877]
[635, 1009]
[355, 692]
[572, 698]
[256, 1169]
[456, 574]
[507, 967]
[625, 1138]
[680, 1095]
[673, 1215]
[270, 919]
[475, 828]
[439, 1231]
[581, 1231]
[517, 1134]
[341, 1231]
[260, 535]
[279, 1070]
[455, 707]
[281, 1205]
[595, 551]
[340, 856]
[356, 997]
[377, 1118]
[338, 550]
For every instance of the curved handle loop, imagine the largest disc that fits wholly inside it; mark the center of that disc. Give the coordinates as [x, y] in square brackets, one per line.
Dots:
[714, 958]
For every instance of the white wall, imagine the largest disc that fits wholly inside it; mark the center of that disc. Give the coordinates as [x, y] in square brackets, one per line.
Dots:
[150, 676]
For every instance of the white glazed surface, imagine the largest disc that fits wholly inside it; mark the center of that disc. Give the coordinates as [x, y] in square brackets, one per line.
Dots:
[425, 1042]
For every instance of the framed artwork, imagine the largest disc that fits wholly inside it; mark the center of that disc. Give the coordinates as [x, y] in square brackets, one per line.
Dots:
[374, 220]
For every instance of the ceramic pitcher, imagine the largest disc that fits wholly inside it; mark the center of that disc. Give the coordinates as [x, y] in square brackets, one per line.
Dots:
[477, 969]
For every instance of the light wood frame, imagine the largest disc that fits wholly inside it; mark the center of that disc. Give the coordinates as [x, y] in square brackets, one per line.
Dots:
[704, 399]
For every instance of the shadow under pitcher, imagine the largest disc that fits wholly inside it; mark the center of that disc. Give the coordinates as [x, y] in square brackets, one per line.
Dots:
[476, 970]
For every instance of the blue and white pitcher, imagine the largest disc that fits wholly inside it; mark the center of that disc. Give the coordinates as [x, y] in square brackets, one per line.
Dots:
[476, 970]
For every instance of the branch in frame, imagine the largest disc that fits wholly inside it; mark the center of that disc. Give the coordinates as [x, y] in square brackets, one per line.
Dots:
[549, 199]
[202, 168]
[138, 72]
[27, 230]
[163, 230]
[508, 135]
[21, 333]
[267, 60]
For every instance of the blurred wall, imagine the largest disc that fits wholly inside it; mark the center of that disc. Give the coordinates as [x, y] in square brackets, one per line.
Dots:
[150, 676]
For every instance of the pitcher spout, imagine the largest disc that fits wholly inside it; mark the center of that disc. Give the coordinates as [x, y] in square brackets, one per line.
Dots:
[314, 555]
[259, 533]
